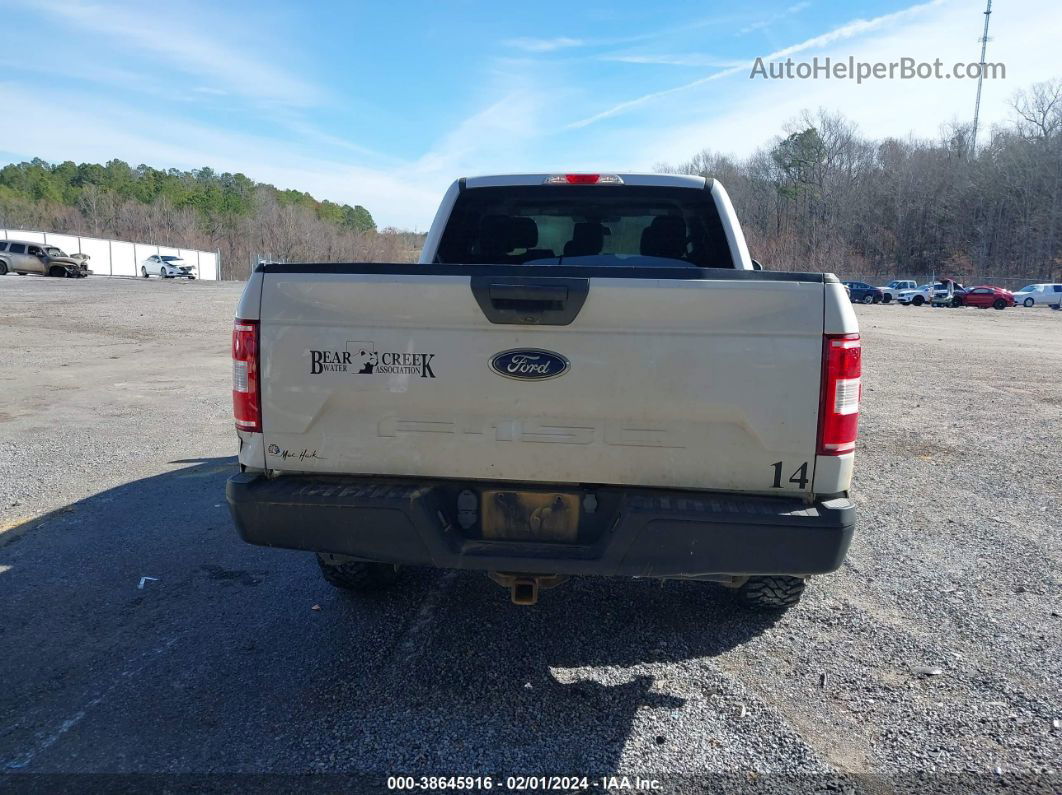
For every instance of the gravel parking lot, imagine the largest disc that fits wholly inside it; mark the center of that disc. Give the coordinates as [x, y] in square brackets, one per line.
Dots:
[930, 659]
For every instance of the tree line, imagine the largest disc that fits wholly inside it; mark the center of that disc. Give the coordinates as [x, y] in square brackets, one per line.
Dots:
[229, 213]
[822, 197]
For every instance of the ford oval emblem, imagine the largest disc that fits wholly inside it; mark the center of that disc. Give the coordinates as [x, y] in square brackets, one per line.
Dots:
[529, 364]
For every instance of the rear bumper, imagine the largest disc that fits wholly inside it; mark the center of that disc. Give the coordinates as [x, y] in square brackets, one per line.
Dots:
[652, 533]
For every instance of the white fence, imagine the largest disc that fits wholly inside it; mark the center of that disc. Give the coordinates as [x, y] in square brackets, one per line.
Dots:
[118, 257]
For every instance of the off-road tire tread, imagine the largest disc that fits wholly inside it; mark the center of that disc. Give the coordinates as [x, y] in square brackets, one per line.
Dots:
[357, 575]
[771, 593]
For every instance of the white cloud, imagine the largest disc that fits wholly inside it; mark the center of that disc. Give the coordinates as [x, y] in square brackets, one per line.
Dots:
[688, 59]
[398, 193]
[796, 8]
[530, 44]
[516, 125]
[395, 195]
[169, 42]
[849, 30]
[748, 113]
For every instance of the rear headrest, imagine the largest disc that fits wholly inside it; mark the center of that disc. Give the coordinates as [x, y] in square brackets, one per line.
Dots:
[666, 236]
[590, 234]
[523, 232]
[588, 238]
[494, 235]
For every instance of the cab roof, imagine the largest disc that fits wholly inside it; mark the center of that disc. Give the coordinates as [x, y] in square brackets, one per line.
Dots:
[662, 180]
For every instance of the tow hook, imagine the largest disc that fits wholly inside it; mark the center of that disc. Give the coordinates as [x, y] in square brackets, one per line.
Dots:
[524, 588]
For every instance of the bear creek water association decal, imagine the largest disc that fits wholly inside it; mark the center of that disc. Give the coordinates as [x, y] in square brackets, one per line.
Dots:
[362, 358]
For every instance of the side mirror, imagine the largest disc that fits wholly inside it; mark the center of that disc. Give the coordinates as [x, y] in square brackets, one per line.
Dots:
[757, 265]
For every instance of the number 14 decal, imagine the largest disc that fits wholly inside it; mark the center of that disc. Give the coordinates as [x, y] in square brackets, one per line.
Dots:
[800, 477]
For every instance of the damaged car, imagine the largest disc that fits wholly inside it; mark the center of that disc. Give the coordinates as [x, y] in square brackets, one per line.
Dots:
[24, 256]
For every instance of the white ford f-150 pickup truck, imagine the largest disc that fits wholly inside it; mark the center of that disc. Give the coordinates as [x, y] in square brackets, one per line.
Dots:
[585, 374]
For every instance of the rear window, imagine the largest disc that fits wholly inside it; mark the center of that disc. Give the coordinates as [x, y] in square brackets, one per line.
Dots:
[17, 248]
[3, 246]
[623, 225]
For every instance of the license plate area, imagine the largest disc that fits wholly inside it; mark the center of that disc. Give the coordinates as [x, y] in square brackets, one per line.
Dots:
[530, 516]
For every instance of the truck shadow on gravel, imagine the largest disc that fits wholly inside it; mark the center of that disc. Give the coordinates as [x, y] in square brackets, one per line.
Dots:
[553, 687]
[254, 657]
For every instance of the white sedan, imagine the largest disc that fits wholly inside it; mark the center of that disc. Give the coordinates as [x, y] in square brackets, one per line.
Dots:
[167, 267]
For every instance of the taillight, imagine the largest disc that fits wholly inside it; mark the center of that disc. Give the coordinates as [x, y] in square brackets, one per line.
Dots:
[584, 179]
[246, 399]
[841, 390]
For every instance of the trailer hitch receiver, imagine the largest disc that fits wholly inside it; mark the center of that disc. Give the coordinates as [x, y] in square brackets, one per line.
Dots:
[524, 588]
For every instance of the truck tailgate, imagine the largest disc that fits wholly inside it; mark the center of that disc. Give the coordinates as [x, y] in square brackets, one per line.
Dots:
[706, 383]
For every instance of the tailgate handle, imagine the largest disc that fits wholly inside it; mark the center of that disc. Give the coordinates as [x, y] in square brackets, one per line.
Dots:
[532, 301]
[528, 293]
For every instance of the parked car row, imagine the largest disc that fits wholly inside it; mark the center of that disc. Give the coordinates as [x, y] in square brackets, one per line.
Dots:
[908, 293]
[26, 256]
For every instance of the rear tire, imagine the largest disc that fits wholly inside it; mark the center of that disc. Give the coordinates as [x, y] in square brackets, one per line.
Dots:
[143, 271]
[3, 269]
[886, 298]
[771, 594]
[918, 300]
[868, 299]
[343, 572]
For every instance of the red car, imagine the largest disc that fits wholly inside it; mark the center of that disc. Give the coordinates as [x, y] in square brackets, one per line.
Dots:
[987, 296]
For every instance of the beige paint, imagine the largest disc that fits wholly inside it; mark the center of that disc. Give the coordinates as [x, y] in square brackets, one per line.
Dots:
[682, 384]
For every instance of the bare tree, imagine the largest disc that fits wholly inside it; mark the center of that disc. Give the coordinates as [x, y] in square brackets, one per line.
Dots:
[821, 196]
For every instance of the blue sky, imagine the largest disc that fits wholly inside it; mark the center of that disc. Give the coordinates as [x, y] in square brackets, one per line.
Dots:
[383, 104]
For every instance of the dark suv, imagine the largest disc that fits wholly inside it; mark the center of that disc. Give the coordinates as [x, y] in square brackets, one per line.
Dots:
[864, 293]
